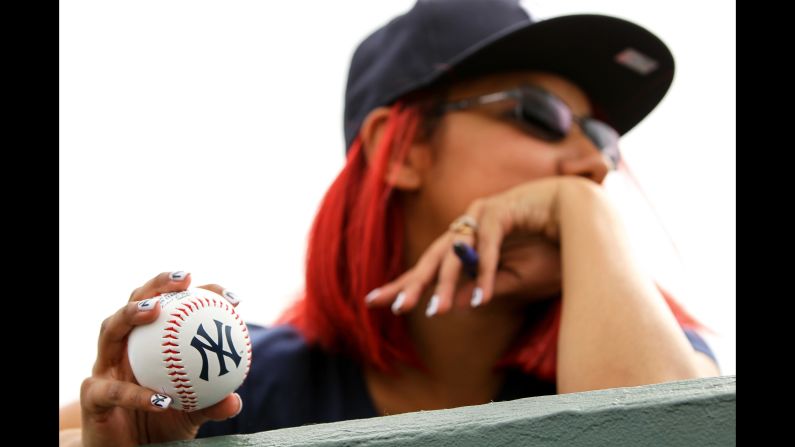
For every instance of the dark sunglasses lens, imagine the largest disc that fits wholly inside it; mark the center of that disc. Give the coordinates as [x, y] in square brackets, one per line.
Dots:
[603, 136]
[544, 116]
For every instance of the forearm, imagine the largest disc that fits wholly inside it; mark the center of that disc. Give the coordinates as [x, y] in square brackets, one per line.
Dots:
[616, 329]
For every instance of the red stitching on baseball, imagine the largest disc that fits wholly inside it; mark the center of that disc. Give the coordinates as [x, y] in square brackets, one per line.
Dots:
[184, 390]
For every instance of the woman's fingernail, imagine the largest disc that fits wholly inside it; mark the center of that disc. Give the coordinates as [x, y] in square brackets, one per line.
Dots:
[231, 297]
[160, 400]
[372, 295]
[240, 408]
[179, 275]
[477, 297]
[398, 302]
[146, 305]
[433, 306]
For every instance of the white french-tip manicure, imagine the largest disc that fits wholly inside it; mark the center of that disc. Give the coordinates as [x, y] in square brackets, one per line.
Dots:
[433, 306]
[179, 275]
[372, 295]
[146, 305]
[477, 297]
[398, 302]
[231, 297]
[240, 408]
[160, 400]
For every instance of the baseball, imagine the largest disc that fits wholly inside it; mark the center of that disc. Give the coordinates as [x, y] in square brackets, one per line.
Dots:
[197, 351]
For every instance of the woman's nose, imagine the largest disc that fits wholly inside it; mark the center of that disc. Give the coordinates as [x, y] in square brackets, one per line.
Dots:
[584, 159]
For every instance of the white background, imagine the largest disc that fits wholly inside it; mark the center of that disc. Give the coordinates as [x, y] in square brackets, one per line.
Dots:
[201, 135]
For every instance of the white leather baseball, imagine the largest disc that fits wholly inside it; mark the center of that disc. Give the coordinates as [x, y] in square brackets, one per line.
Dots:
[197, 351]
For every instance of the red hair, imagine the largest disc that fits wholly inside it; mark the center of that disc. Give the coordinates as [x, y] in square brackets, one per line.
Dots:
[356, 245]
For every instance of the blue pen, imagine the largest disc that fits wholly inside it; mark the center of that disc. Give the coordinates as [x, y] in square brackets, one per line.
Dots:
[468, 256]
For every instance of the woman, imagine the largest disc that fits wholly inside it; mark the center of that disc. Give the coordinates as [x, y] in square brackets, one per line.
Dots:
[487, 133]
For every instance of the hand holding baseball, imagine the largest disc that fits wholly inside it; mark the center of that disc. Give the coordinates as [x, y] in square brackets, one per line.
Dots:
[117, 411]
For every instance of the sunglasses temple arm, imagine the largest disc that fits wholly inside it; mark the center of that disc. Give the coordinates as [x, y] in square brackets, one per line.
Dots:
[479, 100]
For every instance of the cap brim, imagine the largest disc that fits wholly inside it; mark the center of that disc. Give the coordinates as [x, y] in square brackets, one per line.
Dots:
[585, 50]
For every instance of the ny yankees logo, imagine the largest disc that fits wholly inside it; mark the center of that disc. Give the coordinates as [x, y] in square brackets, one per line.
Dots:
[215, 346]
[159, 400]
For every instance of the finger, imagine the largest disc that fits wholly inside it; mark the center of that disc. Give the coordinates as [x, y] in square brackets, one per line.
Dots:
[98, 395]
[489, 241]
[449, 273]
[478, 210]
[227, 408]
[388, 293]
[115, 329]
[176, 281]
[385, 294]
[421, 275]
[230, 296]
[407, 298]
[402, 294]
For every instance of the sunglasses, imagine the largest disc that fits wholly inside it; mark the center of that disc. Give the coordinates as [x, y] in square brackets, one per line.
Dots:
[546, 117]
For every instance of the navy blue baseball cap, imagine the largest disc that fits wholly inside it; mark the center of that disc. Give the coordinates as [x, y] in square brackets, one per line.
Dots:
[623, 68]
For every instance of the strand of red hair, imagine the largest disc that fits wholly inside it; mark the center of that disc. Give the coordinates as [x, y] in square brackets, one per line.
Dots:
[355, 245]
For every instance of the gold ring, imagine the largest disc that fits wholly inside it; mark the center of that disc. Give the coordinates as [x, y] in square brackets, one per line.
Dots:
[465, 225]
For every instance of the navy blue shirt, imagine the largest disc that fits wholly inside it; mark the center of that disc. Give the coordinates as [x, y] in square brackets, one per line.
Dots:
[291, 384]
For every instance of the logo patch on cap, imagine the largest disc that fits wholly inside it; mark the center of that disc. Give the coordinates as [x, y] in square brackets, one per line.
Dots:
[636, 61]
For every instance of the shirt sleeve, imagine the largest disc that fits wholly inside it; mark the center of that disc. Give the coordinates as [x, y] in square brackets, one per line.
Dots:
[700, 345]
